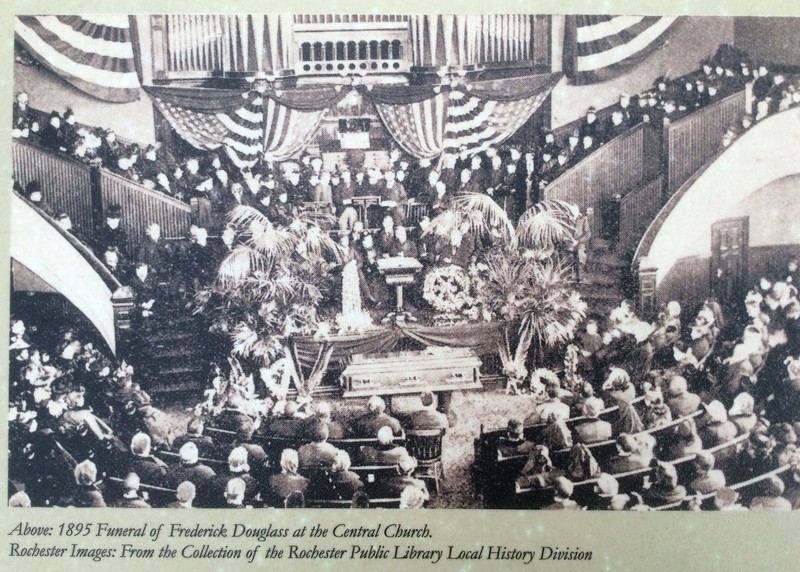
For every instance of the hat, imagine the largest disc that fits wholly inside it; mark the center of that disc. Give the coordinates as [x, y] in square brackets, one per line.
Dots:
[753, 297]
[740, 354]
[686, 428]
[592, 407]
[563, 487]
[626, 443]
[793, 367]
[114, 211]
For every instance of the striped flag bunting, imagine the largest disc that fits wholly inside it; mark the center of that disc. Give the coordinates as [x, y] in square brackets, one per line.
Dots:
[288, 131]
[259, 127]
[92, 52]
[244, 140]
[203, 131]
[476, 123]
[418, 127]
[598, 48]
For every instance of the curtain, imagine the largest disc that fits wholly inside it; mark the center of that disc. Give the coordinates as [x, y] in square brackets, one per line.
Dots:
[599, 48]
[93, 53]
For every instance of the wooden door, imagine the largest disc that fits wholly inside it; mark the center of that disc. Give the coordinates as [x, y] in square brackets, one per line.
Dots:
[729, 245]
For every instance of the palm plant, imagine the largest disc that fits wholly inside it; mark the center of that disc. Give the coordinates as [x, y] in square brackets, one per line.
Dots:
[270, 285]
[479, 212]
[547, 226]
[532, 299]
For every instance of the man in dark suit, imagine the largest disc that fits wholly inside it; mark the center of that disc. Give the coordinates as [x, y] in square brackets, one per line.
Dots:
[427, 417]
[194, 434]
[184, 496]
[397, 484]
[130, 498]
[319, 454]
[287, 481]
[386, 453]
[112, 235]
[150, 469]
[233, 418]
[375, 418]
[213, 494]
[190, 469]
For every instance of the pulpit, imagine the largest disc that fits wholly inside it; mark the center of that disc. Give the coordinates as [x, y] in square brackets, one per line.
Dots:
[399, 271]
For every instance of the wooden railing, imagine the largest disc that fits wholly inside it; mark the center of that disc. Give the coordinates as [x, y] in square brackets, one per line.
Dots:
[70, 268]
[637, 210]
[618, 166]
[692, 140]
[142, 206]
[84, 192]
[65, 183]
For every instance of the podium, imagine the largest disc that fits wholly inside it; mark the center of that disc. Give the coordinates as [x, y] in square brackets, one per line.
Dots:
[399, 271]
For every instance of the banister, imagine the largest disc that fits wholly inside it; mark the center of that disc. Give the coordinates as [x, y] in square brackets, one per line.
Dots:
[105, 274]
[139, 188]
[643, 249]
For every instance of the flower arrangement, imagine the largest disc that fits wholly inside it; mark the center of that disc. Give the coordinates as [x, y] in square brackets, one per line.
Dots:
[447, 289]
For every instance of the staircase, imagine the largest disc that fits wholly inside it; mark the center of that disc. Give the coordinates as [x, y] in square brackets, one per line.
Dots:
[606, 281]
[175, 355]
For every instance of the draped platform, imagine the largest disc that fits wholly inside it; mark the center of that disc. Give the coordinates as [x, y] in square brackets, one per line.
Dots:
[482, 338]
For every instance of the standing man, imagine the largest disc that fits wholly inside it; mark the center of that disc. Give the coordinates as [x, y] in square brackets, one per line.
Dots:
[580, 245]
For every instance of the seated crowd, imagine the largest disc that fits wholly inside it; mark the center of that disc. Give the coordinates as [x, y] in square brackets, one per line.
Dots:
[696, 410]
[82, 433]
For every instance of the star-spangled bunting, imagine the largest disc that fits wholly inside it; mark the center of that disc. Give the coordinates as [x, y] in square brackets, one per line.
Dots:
[93, 53]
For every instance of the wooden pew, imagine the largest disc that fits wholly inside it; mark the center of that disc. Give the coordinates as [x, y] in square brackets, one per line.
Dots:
[345, 504]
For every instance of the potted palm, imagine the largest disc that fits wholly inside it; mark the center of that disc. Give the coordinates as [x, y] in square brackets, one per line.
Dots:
[270, 285]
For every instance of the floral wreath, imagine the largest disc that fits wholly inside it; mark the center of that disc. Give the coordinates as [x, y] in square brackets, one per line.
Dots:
[447, 289]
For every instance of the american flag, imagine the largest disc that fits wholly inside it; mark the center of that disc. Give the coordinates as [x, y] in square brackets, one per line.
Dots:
[261, 126]
[203, 131]
[244, 140]
[601, 47]
[94, 53]
[418, 127]
[476, 123]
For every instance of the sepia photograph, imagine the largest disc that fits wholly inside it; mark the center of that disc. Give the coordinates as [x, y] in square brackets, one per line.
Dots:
[404, 261]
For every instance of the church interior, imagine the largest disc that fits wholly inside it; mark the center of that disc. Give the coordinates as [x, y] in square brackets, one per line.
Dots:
[405, 261]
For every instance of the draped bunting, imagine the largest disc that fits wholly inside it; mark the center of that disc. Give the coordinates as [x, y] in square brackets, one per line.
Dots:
[598, 48]
[417, 127]
[483, 338]
[244, 141]
[93, 53]
[426, 121]
[248, 125]
[476, 123]
[287, 131]
[203, 131]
